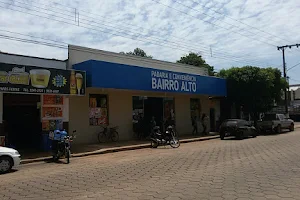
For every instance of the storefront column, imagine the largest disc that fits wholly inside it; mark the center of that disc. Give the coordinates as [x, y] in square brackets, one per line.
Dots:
[1, 107]
[2, 134]
[66, 114]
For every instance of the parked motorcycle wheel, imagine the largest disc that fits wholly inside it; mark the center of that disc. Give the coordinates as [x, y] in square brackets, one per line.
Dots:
[174, 143]
[154, 144]
[68, 154]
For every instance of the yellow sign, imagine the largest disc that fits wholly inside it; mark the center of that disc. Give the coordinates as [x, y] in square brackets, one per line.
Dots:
[15, 76]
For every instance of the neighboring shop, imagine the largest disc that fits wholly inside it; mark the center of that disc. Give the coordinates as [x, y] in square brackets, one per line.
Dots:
[35, 100]
[123, 89]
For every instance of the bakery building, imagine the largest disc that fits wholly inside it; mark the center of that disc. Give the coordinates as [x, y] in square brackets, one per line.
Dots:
[34, 99]
[120, 87]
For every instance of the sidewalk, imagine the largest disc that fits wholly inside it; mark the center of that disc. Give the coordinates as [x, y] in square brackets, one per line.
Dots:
[94, 149]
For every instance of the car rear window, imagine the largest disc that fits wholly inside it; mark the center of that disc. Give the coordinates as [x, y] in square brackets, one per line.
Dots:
[231, 123]
[269, 117]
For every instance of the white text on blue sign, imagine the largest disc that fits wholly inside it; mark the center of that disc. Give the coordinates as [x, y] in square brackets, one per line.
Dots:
[173, 82]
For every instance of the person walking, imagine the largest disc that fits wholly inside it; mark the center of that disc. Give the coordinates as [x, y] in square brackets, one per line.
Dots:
[204, 120]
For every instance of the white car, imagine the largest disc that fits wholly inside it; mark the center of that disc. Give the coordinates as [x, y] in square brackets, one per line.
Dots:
[9, 158]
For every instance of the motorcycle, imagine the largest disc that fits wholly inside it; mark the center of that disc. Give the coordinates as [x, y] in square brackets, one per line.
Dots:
[164, 139]
[63, 144]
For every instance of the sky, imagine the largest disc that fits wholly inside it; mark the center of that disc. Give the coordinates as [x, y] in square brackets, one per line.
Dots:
[225, 32]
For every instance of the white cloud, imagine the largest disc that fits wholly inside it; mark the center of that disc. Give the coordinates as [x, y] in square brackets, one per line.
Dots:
[152, 22]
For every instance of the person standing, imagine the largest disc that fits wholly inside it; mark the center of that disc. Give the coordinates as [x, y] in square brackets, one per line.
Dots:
[152, 125]
[204, 120]
[195, 125]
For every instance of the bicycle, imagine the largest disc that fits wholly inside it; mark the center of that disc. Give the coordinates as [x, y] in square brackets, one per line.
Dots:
[108, 133]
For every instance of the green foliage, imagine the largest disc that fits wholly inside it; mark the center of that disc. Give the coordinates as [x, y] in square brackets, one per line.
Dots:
[196, 59]
[137, 52]
[255, 89]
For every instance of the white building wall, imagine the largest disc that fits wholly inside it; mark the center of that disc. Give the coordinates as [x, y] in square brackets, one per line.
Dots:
[295, 94]
[31, 61]
[80, 54]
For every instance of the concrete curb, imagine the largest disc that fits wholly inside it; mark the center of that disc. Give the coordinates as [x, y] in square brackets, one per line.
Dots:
[117, 149]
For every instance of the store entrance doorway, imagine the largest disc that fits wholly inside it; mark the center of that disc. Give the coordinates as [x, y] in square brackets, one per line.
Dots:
[22, 117]
[153, 107]
[144, 108]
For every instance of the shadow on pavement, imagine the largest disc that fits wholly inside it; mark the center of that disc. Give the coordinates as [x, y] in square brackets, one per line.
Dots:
[234, 138]
[50, 160]
[274, 134]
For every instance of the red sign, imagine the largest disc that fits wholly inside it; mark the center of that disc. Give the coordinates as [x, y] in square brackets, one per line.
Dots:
[53, 100]
[52, 112]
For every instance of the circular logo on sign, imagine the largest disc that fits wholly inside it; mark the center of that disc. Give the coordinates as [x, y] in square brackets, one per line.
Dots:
[59, 81]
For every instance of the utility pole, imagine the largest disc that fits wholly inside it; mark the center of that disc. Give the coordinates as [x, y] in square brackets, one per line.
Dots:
[284, 73]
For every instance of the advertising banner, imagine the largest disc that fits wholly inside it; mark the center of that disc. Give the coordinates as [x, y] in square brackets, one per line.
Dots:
[98, 110]
[52, 112]
[36, 80]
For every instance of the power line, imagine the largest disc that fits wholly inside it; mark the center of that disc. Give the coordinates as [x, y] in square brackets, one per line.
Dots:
[181, 39]
[32, 36]
[216, 11]
[73, 10]
[156, 40]
[217, 19]
[55, 45]
[220, 57]
[293, 67]
[295, 80]
[32, 41]
[211, 22]
[58, 45]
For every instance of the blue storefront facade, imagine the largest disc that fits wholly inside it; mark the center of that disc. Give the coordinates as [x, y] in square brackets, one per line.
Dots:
[120, 94]
[102, 74]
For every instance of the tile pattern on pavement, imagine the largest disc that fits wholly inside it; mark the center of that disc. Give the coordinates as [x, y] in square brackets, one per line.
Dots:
[266, 167]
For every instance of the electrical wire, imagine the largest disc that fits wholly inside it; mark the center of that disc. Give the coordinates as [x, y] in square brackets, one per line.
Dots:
[66, 47]
[239, 21]
[212, 17]
[293, 67]
[74, 10]
[212, 23]
[32, 41]
[72, 48]
[221, 57]
[298, 81]
[114, 28]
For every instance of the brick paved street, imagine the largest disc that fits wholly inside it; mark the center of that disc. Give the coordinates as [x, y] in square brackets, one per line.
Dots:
[266, 167]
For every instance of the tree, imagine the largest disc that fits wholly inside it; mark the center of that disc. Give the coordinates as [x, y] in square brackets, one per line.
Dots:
[255, 89]
[196, 59]
[137, 52]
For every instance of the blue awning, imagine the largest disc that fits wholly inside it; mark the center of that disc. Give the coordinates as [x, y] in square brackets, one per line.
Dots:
[102, 74]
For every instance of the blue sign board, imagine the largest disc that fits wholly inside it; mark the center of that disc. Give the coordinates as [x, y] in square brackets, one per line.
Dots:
[102, 74]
